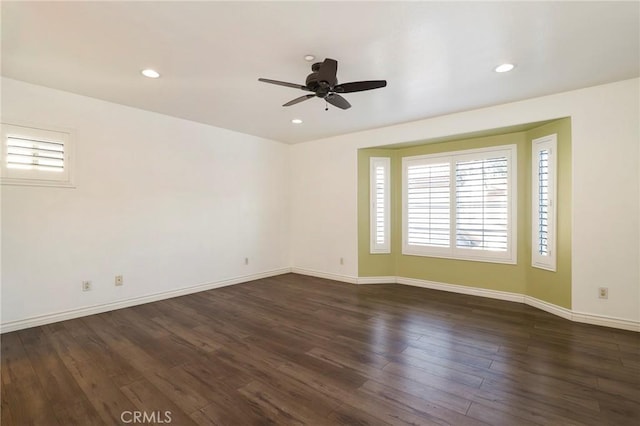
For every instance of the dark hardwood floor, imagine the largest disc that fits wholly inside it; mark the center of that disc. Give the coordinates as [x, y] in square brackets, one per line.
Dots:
[299, 350]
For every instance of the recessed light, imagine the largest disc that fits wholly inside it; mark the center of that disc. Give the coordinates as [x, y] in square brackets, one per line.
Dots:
[504, 68]
[150, 73]
[309, 58]
[296, 121]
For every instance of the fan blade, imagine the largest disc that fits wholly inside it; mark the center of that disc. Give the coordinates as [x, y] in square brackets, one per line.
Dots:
[328, 71]
[284, 83]
[338, 101]
[298, 100]
[360, 86]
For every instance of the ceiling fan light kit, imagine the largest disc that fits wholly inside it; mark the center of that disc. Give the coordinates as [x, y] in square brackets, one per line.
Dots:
[323, 82]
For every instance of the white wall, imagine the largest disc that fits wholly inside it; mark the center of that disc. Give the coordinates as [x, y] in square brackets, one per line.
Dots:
[168, 203]
[324, 212]
[606, 206]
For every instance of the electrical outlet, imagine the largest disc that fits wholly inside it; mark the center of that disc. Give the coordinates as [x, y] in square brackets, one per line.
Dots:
[246, 260]
[342, 260]
[603, 292]
[119, 280]
[86, 285]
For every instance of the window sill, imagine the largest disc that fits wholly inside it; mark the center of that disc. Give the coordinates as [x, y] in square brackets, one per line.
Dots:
[512, 260]
[34, 182]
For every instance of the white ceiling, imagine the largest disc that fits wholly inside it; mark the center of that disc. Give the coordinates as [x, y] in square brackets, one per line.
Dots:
[438, 57]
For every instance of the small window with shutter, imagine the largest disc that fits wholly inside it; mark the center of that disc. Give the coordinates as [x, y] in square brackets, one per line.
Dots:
[379, 194]
[461, 205]
[36, 156]
[543, 212]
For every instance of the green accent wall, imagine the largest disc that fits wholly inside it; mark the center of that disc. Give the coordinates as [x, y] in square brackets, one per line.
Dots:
[553, 287]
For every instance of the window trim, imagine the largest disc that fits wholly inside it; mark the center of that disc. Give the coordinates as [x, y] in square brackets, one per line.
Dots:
[510, 256]
[36, 177]
[549, 142]
[374, 247]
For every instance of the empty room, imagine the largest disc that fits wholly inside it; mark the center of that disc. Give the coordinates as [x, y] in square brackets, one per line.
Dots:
[320, 213]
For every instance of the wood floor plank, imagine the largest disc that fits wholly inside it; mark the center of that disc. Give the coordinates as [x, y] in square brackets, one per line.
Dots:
[80, 413]
[137, 354]
[26, 399]
[105, 356]
[439, 397]
[6, 418]
[349, 415]
[360, 362]
[232, 408]
[182, 388]
[294, 349]
[189, 334]
[70, 404]
[449, 371]
[279, 407]
[436, 406]
[496, 417]
[299, 394]
[97, 386]
[148, 399]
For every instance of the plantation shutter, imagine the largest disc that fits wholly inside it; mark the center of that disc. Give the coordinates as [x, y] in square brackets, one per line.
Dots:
[380, 204]
[428, 204]
[543, 203]
[23, 153]
[35, 156]
[482, 204]
[461, 205]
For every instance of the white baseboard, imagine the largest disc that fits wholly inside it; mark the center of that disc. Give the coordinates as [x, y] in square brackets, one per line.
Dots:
[473, 291]
[377, 280]
[344, 278]
[105, 307]
[549, 307]
[606, 321]
[326, 275]
[583, 317]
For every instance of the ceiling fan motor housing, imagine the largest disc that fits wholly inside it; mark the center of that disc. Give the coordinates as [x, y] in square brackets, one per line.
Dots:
[321, 87]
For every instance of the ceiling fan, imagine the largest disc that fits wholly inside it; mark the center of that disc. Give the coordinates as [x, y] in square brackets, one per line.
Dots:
[323, 82]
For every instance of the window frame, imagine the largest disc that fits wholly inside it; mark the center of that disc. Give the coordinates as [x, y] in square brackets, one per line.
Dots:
[509, 256]
[374, 246]
[550, 143]
[10, 176]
